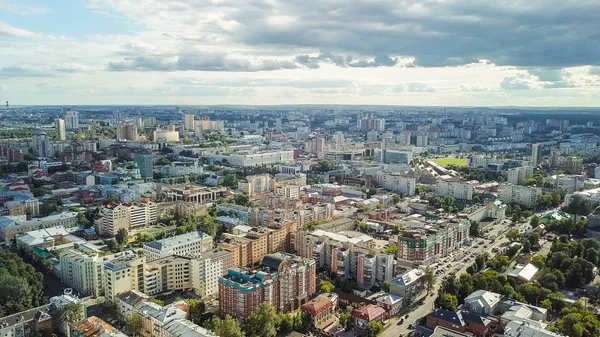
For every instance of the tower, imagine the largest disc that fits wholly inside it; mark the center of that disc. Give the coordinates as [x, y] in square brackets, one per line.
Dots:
[145, 163]
[71, 119]
[40, 144]
[189, 122]
[61, 130]
[536, 154]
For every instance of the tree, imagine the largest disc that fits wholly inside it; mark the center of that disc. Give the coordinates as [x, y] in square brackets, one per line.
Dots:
[429, 279]
[262, 322]
[396, 198]
[448, 302]
[535, 221]
[513, 235]
[230, 180]
[391, 250]
[386, 286]
[197, 310]
[21, 287]
[122, 236]
[326, 287]
[209, 226]
[240, 199]
[227, 327]
[546, 304]
[373, 329]
[345, 318]
[83, 220]
[474, 229]
[323, 166]
[577, 321]
[539, 261]
[419, 190]
[134, 325]
[68, 314]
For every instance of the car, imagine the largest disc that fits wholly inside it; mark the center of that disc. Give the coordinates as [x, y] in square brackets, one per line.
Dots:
[406, 316]
[401, 321]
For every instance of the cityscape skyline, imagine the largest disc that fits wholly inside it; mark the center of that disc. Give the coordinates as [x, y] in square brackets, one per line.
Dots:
[274, 53]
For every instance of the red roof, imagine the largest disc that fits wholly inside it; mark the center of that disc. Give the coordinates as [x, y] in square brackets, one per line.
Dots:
[370, 312]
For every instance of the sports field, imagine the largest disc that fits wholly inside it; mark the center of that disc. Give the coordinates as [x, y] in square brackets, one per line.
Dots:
[451, 161]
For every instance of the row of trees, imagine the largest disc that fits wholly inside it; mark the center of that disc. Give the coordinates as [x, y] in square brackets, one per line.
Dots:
[21, 286]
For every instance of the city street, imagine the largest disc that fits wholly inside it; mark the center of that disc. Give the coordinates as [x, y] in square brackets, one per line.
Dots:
[496, 232]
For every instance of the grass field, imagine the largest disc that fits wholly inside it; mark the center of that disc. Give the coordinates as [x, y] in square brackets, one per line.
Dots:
[450, 161]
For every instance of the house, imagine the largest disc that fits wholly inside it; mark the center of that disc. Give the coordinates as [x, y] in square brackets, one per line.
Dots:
[513, 311]
[524, 273]
[322, 310]
[407, 285]
[391, 303]
[369, 313]
[482, 302]
[461, 321]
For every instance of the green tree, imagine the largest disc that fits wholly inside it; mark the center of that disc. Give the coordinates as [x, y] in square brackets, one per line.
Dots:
[68, 314]
[449, 302]
[346, 318]
[429, 279]
[391, 250]
[21, 287]
[262, 322]
[396, 198]
[134, 325]
[326, 287]
[230, 180]
[535, 221]
[577, 321]
[241, 199]
[373, 329]
[227, 327]
[513, 235]
[197, 309]
[122, 236]
[386, 286]
[539, 261]
[209, 226]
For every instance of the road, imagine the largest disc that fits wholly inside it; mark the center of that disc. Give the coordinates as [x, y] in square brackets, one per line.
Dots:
[496, 231]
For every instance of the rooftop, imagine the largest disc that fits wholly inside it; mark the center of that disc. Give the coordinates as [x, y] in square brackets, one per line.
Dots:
[177, 240]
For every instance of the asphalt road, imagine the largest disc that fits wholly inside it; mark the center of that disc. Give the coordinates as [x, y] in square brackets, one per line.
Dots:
[460, 266]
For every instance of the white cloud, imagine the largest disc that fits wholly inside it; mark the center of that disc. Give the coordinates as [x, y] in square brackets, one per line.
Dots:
[21, 9]
[11, 31]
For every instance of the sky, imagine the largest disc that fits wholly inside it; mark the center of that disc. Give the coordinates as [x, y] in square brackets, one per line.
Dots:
[260, 52]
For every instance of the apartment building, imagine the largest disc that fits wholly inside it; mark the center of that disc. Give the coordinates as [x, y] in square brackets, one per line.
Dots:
[167, 273]
[525, 196]
[11, 226]
[408, 285]
[284, 280]
[187, 244]
[397, 182]
[207, 268]
[116, 216]
[461, 191]
[426, 245]
[123, 272]
[257, 184]
[192, 193]
[347, 256]
[388, 156]
[250, 248]
[518, 175]
[245, 159]
[567, 183]
[157, 320]
[82, 272]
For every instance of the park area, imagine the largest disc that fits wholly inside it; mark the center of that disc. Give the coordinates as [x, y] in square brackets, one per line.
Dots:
[451, 161]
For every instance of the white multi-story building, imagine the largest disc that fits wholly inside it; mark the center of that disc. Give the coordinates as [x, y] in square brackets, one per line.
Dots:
[207, 268]
[462, 191]
[522, 195]
[71, 119]
[170, 273]
[123, 272]
[518, 175]
[116, 216]
[257, 184]
[567, 183]
[84, 273]
[188, 244]
[396, 182]
[61, 129]
[253, 158]
[422, 140]
[189, 123]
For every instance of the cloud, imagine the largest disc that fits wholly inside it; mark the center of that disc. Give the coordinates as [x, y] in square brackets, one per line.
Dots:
[313, 62]
[11, 31]
[11, 72]
[197, 61]
[21, 9]
[413, 87]
[518, 82]
[594, 71]
[262, 82]
[73, 68]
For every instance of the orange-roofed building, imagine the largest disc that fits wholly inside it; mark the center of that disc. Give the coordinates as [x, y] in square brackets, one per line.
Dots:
[321, 309]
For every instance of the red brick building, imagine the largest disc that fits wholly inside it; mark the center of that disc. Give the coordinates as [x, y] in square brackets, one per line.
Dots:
[284, 280]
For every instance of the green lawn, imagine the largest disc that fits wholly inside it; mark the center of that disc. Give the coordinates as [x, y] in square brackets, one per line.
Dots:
[451, 161]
